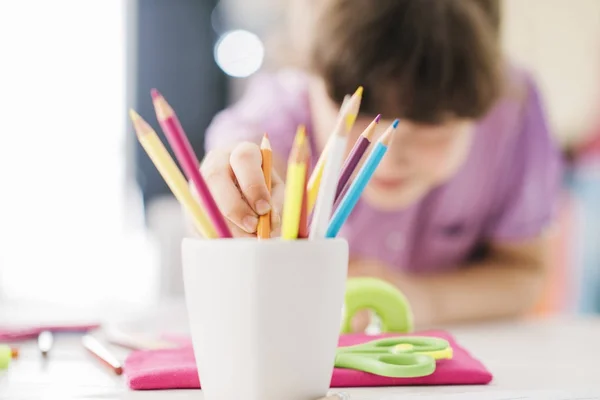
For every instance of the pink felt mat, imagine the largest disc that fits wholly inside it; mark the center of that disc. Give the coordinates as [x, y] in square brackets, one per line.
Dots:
[176, 368]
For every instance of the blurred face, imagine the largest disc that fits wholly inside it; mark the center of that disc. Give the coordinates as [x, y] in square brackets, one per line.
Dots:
[419, 158]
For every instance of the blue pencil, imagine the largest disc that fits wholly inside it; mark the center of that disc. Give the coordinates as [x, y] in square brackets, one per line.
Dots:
[358, 185]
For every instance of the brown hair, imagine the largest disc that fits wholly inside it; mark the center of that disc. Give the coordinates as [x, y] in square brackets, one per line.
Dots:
[423, 60]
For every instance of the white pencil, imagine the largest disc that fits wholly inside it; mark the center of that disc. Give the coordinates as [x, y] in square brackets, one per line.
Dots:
[333, 165]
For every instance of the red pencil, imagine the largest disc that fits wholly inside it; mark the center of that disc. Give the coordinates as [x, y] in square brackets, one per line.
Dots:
[187, 158]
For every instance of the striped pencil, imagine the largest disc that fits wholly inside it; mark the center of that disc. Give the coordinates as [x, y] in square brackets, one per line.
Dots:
[187, 159]
[362, 179]
[331, 171]
[264, 221]
[356, 154]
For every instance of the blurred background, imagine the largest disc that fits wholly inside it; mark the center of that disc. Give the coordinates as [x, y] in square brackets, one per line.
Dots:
[85, 218]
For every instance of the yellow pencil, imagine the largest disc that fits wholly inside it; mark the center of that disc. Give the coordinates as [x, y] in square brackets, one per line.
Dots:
[171, 174]
[314, 181]
[294, 187]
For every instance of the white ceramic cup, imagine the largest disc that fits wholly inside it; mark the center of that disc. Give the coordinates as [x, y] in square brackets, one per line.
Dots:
[264, 315]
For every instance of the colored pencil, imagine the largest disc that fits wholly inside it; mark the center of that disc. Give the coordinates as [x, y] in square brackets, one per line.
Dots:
[294, 187]
[331, 171]
[336, 205]
[356, 154]
[315, 177]
[263, 230]
[187, 159]
[362, 179]
[303, 227]
[171, 174]
[45, 342]
[96, 348]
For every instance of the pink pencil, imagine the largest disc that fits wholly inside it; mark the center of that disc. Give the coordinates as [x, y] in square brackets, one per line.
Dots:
[187, 158]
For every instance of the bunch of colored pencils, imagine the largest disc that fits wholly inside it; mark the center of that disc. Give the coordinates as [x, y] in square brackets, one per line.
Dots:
[316, 204]
[205, 214]
[334, 186]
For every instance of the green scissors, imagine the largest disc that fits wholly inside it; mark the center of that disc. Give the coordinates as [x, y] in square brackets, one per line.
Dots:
[395, 357]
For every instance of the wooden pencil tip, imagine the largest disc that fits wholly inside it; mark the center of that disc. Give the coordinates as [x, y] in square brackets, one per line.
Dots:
[396, 122]
[161, 107]
[387, 136]
[370, 130]
[300, 135]
[155, 94]
[134, 115]
[265, 144]
[359, 91]
[140, 126]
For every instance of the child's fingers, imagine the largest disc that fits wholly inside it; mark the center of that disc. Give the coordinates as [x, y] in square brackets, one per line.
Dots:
[219, 178]
[246, 163]
[238, 232]
[360, 321]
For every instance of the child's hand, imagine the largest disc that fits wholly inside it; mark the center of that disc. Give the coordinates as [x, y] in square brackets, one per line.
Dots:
[236, 181]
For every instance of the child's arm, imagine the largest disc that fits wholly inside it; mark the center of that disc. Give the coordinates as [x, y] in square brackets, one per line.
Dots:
[509, 280]
[506, 284]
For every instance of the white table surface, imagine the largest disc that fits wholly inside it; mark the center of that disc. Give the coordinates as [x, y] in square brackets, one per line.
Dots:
[526, 358]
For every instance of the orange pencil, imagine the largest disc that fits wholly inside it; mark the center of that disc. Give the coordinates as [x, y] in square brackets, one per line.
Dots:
[303, 227]
[264, 222]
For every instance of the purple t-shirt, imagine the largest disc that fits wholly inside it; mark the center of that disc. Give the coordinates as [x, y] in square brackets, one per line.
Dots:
[505, 191]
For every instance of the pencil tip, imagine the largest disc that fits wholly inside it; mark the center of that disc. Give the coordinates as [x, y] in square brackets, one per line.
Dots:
[265, 144]
[155, 94]
[300, 134]
[377, 118]
[134, 115]
[396, 122]
[359, 91]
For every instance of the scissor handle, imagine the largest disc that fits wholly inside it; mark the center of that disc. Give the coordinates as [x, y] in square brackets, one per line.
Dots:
[402, 365]
[417, 344]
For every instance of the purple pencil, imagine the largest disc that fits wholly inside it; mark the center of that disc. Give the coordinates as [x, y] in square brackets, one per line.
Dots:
[338, 200]
[361, 145]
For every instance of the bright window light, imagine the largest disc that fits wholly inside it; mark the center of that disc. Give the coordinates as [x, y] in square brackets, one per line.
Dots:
[63, 236]
[239, 53]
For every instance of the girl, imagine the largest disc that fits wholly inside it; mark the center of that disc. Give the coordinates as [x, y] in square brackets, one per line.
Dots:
[457, 214]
